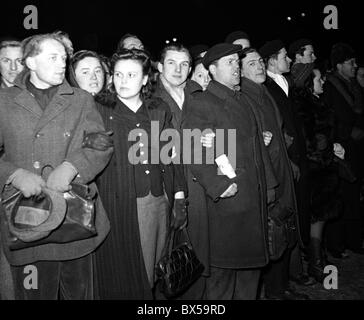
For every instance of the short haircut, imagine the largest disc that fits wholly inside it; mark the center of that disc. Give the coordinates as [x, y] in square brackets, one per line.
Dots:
[122, 39]
[174, 47]
[10, 44]
[32, 45]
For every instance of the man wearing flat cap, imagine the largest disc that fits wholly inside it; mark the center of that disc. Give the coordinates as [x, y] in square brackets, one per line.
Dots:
[278, 65]
[236, 206]
[238, 37]
[42, 124]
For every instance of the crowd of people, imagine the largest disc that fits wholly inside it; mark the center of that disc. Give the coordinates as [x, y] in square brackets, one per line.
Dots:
[293, 202]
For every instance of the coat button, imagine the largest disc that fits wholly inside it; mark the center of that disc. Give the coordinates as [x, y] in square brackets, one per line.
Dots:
[138, 125]
[145, 162]
[67, 134]
[141, 144]
[147, 171]
[194, 179]
[36, 165]
[163, 171]
[111, 118]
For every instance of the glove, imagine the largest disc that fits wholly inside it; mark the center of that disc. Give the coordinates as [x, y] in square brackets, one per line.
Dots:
[61, 177]
[179, 214]
[98, 140]
[27, 182]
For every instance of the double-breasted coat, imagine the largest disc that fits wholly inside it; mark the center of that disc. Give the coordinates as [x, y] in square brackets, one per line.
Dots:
[32, 138]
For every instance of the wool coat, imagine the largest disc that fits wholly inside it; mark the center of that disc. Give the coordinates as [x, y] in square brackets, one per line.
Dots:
[237, 226]
[32, 138]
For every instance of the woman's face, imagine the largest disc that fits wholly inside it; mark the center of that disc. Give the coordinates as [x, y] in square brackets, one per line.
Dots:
[201, 76]
[317, 82]
[128, 78]
[90, 75]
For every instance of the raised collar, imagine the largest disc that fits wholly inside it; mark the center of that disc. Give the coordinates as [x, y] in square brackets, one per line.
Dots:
[220, 90]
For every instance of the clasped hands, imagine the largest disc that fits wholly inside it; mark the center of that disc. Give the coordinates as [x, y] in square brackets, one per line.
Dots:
[31, 184]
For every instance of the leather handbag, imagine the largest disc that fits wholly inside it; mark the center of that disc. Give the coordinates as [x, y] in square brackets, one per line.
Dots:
[78, 224]
[179, 266]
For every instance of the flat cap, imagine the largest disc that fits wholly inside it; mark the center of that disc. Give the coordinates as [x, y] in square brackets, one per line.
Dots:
[218, 51]
[270, 47]
[341, 52]
[295, 46]
[197, 50]
[235, 35]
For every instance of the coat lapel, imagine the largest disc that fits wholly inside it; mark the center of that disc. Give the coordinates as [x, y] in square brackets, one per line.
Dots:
[28, 102]
[57, 105]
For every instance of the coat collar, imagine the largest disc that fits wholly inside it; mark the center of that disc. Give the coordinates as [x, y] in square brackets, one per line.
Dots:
[219, 90]
[57, 105]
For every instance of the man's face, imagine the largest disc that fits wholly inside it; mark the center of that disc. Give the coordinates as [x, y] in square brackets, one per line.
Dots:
[348, 68]
[48, 67]
[253, 68]
[10, 64]
[201, 76]
[132, 42]
[227, 71]
[282, 62]
[175, 68]
[308, 55]
[245, 43]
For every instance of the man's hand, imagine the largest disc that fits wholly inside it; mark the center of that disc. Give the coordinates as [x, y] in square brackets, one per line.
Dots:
[61, 177]
[179, 214]
[288, 139]
[231, 191]
[339, 151]
[208, 140]
[296, 171]
[267, 137]
[27, 182]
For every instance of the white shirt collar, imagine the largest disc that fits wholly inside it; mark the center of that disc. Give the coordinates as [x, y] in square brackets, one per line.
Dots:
[280, 80]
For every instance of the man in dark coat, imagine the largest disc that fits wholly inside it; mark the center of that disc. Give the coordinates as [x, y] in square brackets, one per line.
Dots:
[278, 86]
[42, 122]
[276, 275]
[175, 66]
[343, 94]
[236, 206]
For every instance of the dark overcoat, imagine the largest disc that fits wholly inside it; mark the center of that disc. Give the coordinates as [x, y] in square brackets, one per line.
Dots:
[237, 226]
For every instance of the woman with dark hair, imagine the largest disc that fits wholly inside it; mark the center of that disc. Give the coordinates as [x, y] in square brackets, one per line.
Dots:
[137, 191]
[326, 164]
[86, 71]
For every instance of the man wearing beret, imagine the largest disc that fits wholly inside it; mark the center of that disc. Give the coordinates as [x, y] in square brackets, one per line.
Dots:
[236, 207]
[278, 65]
[343, 94]
[42, 123]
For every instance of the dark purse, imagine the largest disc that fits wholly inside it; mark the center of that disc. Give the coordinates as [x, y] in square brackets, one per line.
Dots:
[78, 224]
[179, 266]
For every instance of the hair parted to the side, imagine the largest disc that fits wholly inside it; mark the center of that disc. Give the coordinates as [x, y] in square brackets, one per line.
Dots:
[32, 45]
[174, 47]
[122, 39]
[10, 44]
[140, 56]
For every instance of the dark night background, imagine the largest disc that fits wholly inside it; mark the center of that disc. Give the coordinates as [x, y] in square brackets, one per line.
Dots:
[99, 25]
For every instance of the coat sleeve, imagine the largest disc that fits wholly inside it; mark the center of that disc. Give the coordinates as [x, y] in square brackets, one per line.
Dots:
[88, 162]
[201, 117]
[6, 167]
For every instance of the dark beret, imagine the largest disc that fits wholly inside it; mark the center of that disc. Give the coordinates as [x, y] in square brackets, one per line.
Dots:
[271, 47]
[295, 46]
[197, 49]
[218, 51]
[235, 35]
[340, 53]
